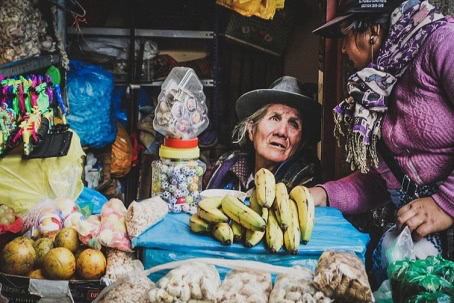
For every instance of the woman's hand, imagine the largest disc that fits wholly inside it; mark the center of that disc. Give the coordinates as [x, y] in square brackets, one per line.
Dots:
[319, 195]
[423, 216]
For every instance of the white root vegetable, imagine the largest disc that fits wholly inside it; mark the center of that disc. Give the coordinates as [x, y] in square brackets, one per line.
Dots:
[293, 295]
[307, 298]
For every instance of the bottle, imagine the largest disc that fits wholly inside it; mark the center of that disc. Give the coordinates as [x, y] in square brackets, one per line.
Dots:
[177, 175]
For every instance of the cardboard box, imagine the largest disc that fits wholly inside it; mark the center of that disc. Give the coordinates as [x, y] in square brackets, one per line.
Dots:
[17, 289]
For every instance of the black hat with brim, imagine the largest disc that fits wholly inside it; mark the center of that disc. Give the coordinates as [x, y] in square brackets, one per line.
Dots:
[349, 8]
[284, 90]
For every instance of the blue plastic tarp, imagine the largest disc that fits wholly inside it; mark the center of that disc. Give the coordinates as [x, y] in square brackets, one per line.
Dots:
[171, 240]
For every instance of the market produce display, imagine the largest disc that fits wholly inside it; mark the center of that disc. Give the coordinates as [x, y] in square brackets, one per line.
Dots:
[118, 263]
[428, 280]
[342, 275]
[296, 288]
[58, 259]
[7, 215]
[245, 286]
[194, 281]
[283, 220]
[58, 242]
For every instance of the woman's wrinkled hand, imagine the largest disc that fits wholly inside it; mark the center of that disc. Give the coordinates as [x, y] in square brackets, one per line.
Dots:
[423, 216]
[319, 195]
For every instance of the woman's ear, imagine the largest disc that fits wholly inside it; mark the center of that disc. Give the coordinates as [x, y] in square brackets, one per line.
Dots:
[250, 130]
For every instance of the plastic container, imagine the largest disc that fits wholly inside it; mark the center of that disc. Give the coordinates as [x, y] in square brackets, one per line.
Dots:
[181, 115]
[181, 112]
[177, 175]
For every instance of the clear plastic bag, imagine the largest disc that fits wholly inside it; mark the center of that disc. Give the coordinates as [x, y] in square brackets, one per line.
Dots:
[132, 287]
[113, 232]
[342, 275]
[143, 215]
[245, 286]
[119, 263]
[296, 288]
[240, 265]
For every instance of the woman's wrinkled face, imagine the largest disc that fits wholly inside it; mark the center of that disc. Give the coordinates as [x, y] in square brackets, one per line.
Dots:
[357, 48]
[276, 136]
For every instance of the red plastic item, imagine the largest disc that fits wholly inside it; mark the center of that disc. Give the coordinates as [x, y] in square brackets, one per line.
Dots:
[12, 228]
[7, 231]
[180, 143]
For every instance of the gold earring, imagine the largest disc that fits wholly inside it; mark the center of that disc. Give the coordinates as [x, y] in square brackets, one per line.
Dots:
[372, 42]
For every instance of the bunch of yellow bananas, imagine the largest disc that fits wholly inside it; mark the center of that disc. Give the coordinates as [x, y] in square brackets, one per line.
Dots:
[214, 213]
[283, 219]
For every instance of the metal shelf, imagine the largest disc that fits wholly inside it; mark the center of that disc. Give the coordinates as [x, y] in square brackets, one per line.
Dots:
[28, 65]
[125, 32]
[205, 82]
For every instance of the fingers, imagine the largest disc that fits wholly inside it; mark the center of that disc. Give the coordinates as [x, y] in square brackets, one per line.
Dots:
[408, 212]
[423, 216]
[422, 231]
[319, 195]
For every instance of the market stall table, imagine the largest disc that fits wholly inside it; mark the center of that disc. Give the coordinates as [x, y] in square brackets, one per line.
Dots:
[172, 240]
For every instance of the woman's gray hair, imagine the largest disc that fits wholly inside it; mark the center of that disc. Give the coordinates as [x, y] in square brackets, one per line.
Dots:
[240, 132]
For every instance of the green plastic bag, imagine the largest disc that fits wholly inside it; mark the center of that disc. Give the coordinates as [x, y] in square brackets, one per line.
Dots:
[417, 279]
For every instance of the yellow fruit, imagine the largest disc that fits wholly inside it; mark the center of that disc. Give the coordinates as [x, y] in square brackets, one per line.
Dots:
[67, 238]
[42, 247]
[36, 274]
[91, 264]
[18, 257]
[265, 187]
[59, 264]
[79, 251]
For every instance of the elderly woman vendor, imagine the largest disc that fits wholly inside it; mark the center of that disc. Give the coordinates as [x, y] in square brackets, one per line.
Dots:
[278, 129]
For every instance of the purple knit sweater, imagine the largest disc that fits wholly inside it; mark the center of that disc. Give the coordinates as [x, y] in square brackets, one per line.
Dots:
[418, 129]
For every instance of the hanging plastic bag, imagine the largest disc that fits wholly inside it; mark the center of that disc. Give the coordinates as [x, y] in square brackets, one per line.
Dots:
[122, 151]
[23, 183]
[91, 114]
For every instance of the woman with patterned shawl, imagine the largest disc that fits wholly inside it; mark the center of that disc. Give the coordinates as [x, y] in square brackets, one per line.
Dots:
[402, 96]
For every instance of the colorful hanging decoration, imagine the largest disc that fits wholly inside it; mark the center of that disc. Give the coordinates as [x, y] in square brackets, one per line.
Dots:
[30, 107]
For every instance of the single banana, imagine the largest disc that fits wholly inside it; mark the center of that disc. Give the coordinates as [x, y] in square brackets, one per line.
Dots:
[198, 225]
[242, 214]
[262, 211]
[292, 236]
[212, 215]
[223, 233]
[265, 214]
[274, 236]
[265, 187]
[253, 238]
[306, 211]
[238, 231]
[210, 202]
[276, 213]
[281, 205]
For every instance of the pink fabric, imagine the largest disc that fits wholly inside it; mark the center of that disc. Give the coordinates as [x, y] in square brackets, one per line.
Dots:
[418, 129]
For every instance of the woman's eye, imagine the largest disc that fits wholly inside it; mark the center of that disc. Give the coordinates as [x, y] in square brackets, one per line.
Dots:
[295, 125]
[275, 118]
